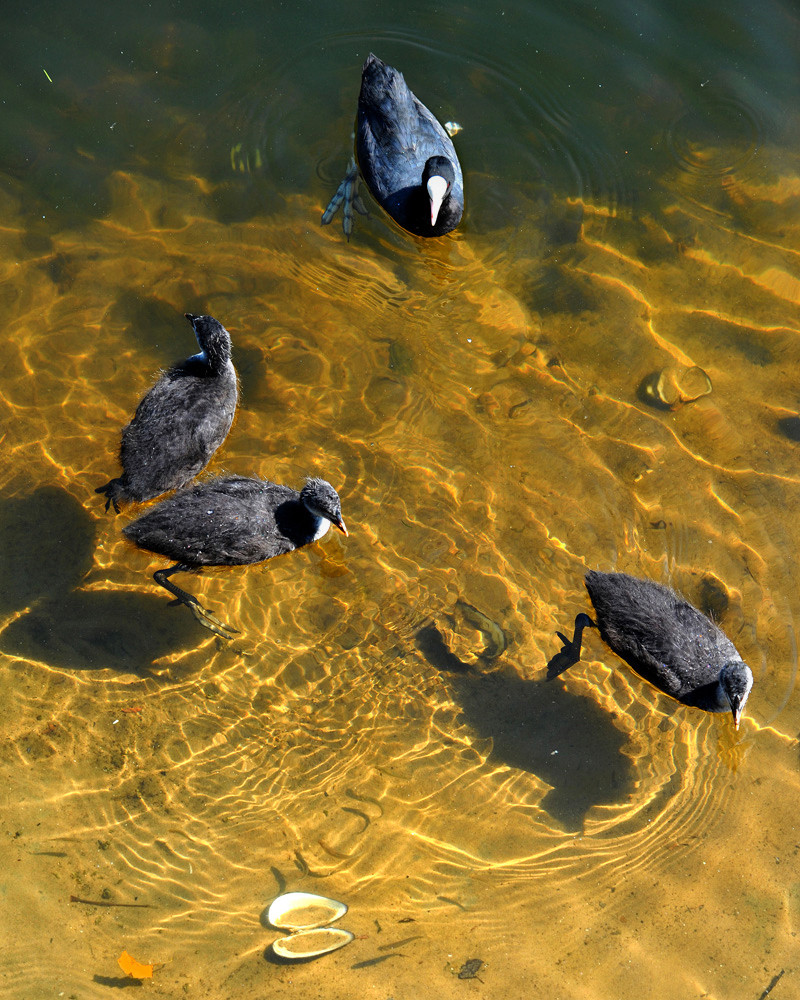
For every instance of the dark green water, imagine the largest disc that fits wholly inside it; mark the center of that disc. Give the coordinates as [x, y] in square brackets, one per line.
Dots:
[382, 731]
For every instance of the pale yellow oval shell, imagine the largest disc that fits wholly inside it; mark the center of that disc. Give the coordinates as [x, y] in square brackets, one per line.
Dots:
[311, 944]
[301, 911]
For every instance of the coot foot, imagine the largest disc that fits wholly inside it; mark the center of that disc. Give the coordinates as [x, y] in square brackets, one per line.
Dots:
[570, 652]
[203, 615]
[114, 492]
[348, 196]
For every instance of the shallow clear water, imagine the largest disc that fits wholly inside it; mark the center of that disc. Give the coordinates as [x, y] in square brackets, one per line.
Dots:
[487, 405]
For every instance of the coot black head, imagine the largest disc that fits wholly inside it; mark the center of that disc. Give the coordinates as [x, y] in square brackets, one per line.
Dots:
[736, 680]
[180, 422]
[214, 342]
[323, 500]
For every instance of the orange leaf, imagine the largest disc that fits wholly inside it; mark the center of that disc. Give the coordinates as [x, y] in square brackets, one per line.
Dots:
[133, 968]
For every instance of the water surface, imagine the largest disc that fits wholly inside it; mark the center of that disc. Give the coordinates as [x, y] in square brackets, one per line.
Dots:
[382, 731]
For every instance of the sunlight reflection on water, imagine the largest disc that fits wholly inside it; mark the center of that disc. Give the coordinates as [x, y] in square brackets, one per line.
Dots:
[476, 401]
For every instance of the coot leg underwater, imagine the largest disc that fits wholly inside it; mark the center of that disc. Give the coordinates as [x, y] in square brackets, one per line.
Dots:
[114, 492]
[203, 615]
[570, 652]
[346, 195]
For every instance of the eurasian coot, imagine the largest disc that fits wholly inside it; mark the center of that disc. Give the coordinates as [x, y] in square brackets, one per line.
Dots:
[181, 421]
[232, 521]
[666, 640]
[406, 158]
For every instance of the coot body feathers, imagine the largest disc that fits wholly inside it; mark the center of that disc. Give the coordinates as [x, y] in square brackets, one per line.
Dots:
[180, 422]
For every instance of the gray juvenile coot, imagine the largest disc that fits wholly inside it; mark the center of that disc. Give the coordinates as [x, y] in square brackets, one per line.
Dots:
[666, 640]
[232, 521]
[181, 421]
[406, 158]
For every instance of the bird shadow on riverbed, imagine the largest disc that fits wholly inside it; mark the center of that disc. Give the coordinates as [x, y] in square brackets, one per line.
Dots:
[566, 740]
[46, 546]
[47, 543]
[95, 630]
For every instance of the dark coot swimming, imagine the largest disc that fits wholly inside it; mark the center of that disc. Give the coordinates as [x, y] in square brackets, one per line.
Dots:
[666, 640]
[181, 421]
[406, 158]
[232, 521]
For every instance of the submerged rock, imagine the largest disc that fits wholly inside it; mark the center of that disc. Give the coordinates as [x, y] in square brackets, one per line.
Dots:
[673, 387]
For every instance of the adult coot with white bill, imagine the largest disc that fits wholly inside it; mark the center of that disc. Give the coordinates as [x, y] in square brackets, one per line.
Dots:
[405, 156]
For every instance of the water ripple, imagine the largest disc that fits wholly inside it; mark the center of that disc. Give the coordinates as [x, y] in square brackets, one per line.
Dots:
[718, 136]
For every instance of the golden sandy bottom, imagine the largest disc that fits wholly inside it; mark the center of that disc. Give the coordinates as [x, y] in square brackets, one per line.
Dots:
[484, 414]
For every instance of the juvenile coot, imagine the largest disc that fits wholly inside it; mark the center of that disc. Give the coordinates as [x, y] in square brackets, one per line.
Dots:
[232, 521]
[666, 640]
[181, 421]
[406, 158]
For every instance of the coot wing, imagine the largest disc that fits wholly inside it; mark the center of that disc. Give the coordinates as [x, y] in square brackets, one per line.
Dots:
[646, 658]
[387, 155]
[703, 646]
[242, 487]
[386, 106]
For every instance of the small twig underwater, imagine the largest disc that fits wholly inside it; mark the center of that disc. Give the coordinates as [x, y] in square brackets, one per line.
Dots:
[772, 985]
[106, 902]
